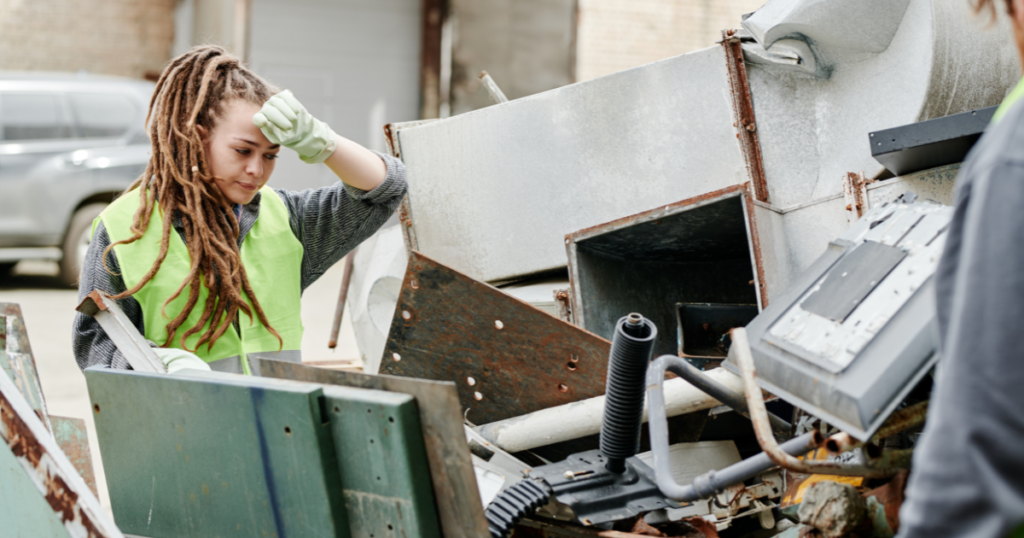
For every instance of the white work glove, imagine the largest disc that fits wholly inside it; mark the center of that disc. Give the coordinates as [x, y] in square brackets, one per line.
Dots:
[285, 121]
[178, 359]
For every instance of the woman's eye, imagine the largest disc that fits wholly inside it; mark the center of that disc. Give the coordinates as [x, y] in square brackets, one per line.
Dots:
[271, 156]
[242, 151]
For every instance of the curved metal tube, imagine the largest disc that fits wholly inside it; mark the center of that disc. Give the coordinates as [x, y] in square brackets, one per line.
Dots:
[763, 430]
[711, 482]
[713, 388]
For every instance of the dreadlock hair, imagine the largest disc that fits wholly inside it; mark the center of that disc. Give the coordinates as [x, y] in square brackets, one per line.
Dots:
[192, 92]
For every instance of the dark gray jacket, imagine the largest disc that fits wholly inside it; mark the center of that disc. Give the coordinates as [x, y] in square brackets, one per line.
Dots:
[968, 476]
[329, 222]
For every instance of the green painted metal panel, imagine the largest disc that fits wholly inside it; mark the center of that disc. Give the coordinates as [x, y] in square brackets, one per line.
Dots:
[24, 513]
[385, 474]
[73, 439]
[217, 455]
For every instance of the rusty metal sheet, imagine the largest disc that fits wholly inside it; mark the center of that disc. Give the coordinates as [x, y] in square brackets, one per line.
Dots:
[451, 468]
[73, 440]
[17, 360]
[743, 112]
[41, 493]
[506, 357]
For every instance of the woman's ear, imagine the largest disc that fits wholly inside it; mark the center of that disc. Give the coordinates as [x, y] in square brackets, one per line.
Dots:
[204, 134]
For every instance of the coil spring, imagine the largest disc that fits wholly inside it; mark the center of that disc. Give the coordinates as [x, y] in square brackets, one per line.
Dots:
[632, 347]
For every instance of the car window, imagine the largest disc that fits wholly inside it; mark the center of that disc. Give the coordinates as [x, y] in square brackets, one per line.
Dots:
[28, 116]
[102, 115]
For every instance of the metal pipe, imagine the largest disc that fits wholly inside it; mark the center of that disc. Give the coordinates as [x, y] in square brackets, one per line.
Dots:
[711, 482]
[492, 88]
[763, 429]
[339, 311]
[583, 418]
[716, 390]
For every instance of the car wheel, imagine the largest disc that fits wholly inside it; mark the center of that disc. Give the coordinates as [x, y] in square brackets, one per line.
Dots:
[76, 243]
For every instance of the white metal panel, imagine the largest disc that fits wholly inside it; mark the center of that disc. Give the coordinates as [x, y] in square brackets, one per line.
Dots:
[354, 64]
[493, 192]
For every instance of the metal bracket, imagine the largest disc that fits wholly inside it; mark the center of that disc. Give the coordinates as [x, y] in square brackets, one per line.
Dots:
[126, 337]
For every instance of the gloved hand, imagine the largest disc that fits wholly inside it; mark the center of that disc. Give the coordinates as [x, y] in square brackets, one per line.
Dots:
[285, 121]
[178, 359]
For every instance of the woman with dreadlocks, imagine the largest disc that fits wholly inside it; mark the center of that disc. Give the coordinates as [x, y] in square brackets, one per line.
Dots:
[206, 260]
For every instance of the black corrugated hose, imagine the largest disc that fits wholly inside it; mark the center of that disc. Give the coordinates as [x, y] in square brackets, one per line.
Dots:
[515, 503]
[632, 347]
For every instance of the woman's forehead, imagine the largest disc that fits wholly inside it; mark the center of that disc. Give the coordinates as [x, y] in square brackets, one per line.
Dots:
[236, 121]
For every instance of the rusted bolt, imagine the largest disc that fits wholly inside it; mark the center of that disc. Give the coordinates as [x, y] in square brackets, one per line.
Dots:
[396, 356]
[415, 284]
[562, 387]
[751, 127]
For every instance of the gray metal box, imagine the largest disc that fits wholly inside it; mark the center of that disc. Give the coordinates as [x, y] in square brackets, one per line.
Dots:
[855, 332]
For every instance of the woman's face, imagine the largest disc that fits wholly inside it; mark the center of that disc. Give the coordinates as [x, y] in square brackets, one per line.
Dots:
[240, 156]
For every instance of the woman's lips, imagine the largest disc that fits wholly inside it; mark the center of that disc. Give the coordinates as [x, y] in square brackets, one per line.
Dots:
[249, 186]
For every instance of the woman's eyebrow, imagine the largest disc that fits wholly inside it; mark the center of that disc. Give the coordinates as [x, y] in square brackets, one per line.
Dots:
[252, 143]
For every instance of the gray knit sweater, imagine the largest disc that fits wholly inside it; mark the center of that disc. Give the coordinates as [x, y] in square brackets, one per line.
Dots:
[329, 222]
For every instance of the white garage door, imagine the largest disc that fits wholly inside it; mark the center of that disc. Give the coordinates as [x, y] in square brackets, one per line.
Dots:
[353, 63]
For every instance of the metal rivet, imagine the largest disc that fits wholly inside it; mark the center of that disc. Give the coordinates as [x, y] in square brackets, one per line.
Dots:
[478, 396]
[396, 356]
[470, 381]
[406, 314]
[498, 324]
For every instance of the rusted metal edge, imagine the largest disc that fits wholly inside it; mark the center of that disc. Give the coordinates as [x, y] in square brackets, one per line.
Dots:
[391, 131]
[339, 310]
[755, 247]
[122, 332]
[49, 469]
[650, 215]
[743, 113]
[763, 428]
[901, 420]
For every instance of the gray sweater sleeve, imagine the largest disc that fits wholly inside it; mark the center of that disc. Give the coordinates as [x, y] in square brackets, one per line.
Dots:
[968, 477]
[91, 345]
[331, 221]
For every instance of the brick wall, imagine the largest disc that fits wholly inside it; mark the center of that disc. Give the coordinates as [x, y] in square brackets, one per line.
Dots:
[618, 34]
[110, 37]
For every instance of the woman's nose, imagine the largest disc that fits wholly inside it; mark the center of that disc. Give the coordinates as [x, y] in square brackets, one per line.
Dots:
[254, 168]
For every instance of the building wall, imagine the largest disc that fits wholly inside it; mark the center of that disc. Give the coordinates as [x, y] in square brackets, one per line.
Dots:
[111, 37]
[618, 34]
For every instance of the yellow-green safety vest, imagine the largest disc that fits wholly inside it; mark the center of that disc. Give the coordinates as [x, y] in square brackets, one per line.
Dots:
[1013, 97]
[272, 257]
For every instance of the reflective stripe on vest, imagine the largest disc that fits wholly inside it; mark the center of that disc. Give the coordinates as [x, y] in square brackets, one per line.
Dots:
[272, 257]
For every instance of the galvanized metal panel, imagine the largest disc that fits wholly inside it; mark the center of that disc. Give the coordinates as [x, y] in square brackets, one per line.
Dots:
[936, 184]
[385, 477]
[213, 454]
[507, 358]
[494, 191]
[451, 470]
